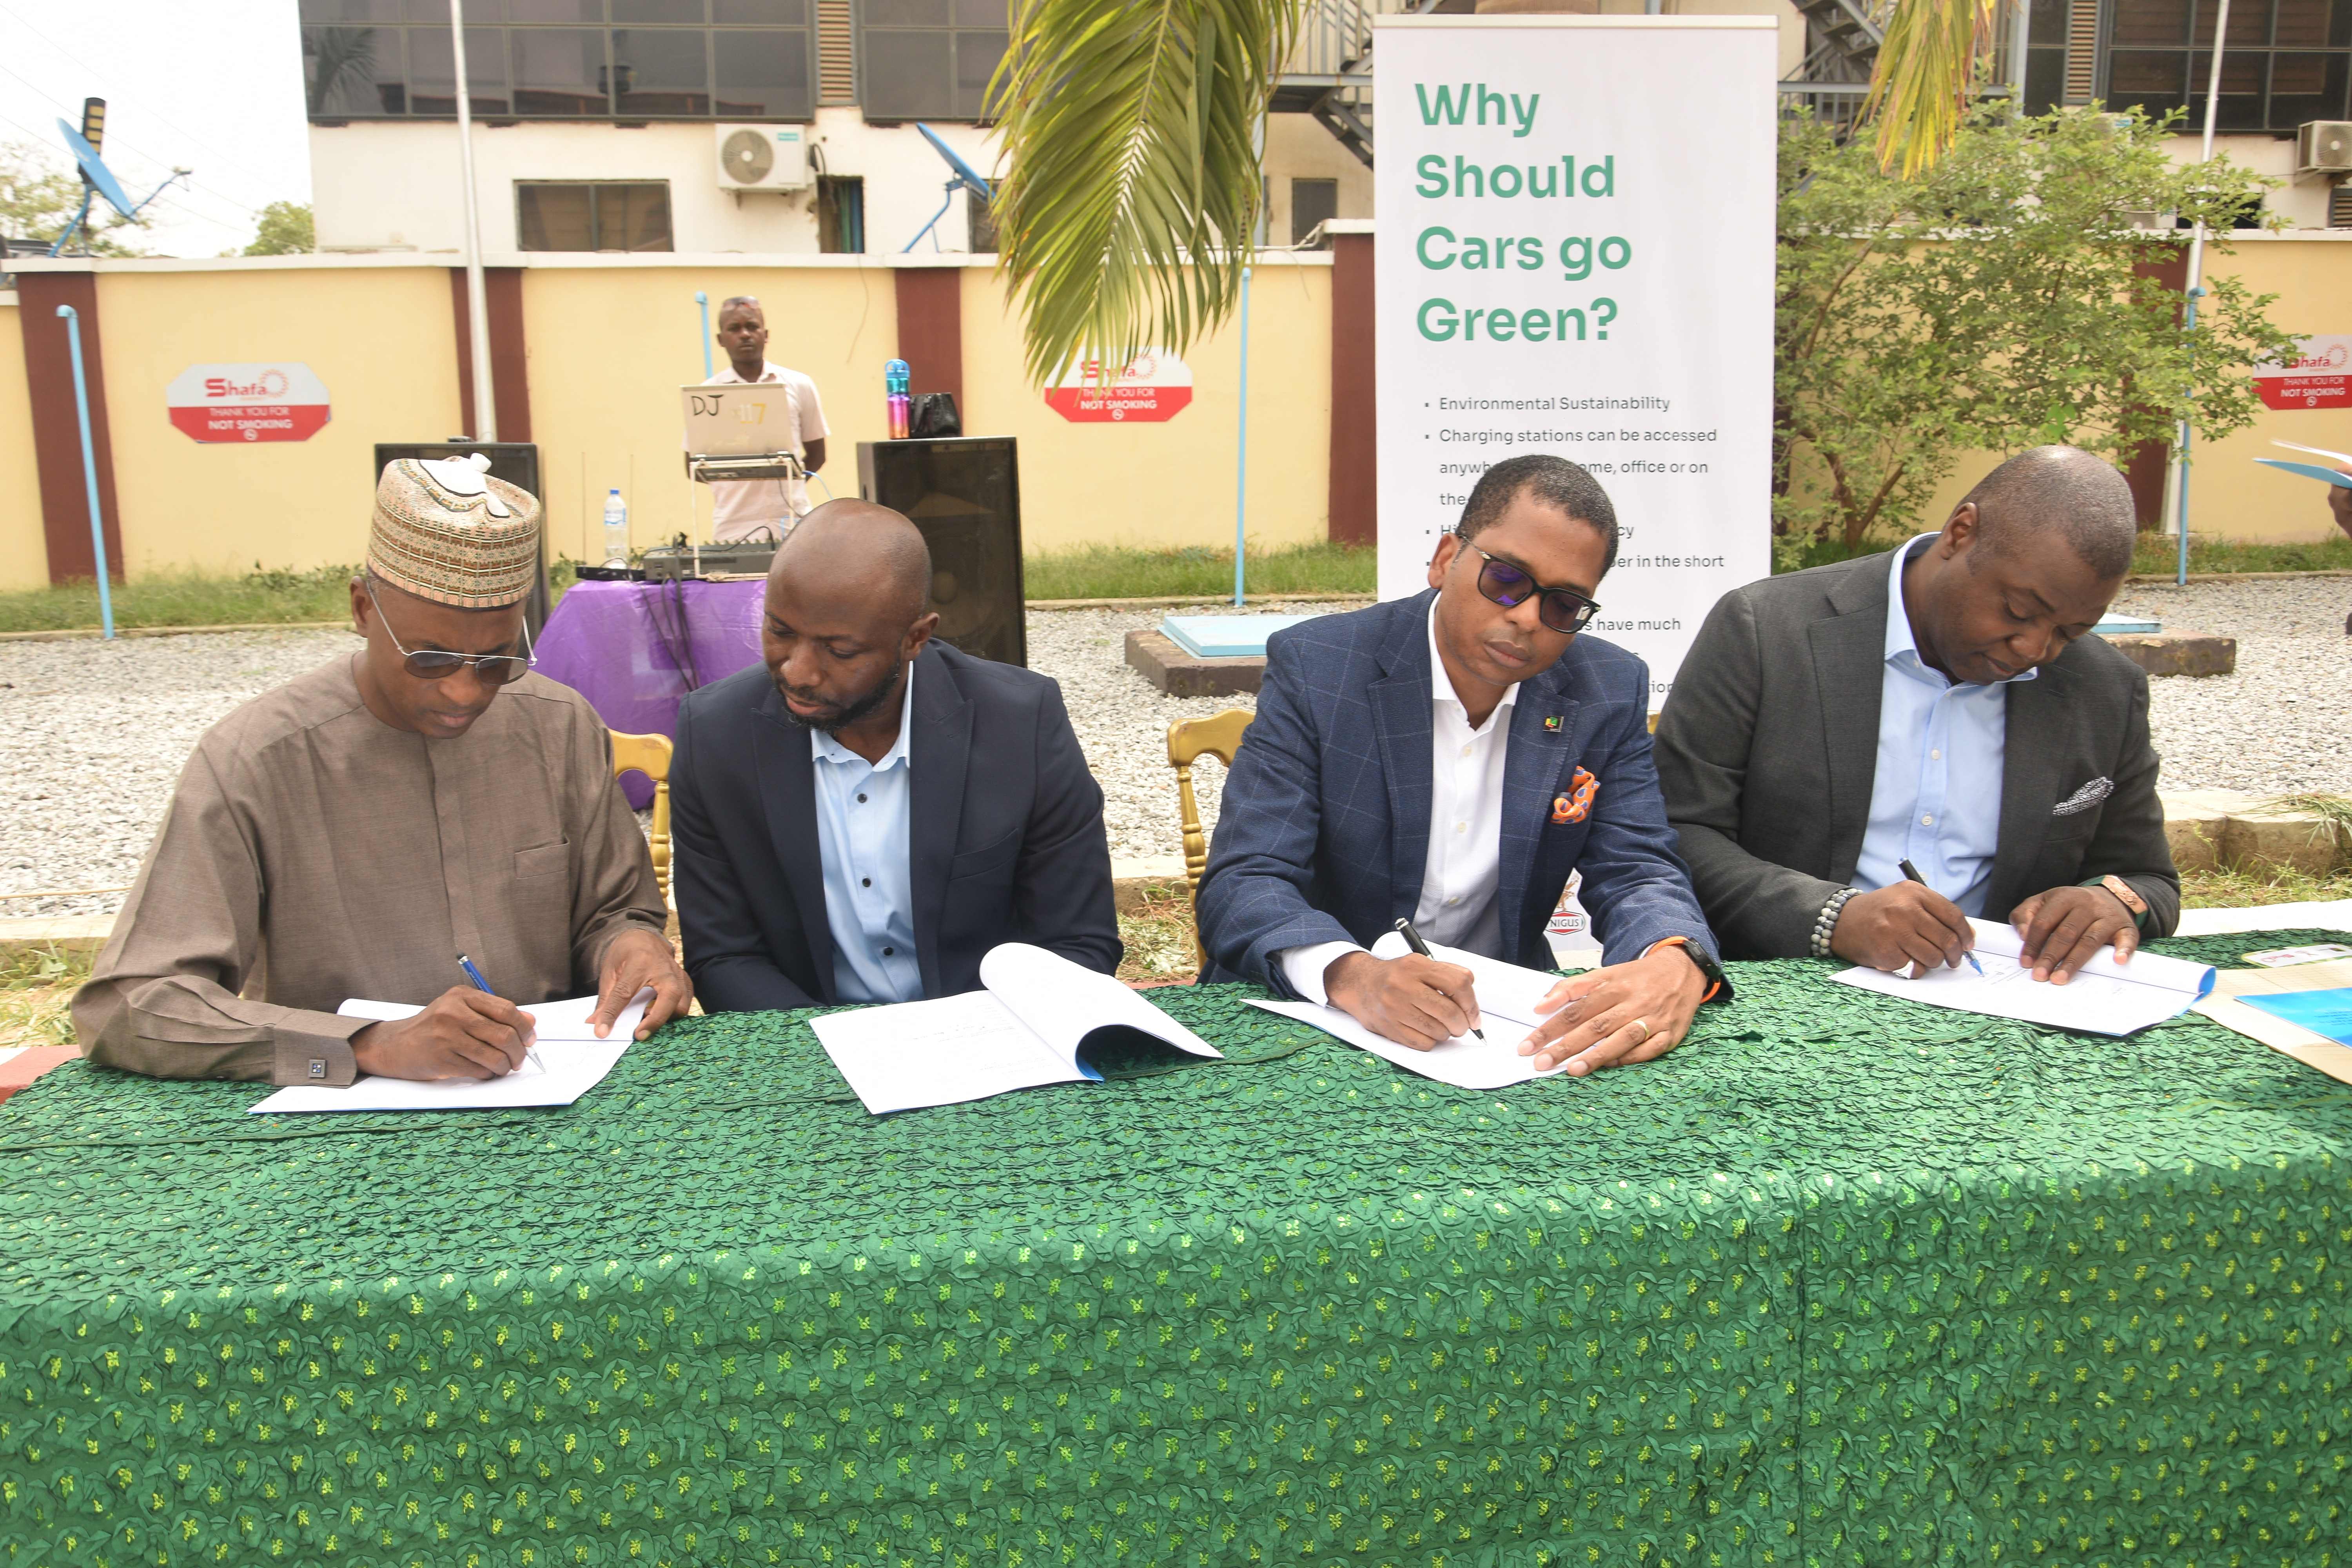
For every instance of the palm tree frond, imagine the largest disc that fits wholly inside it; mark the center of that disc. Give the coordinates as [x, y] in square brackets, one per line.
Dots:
[1130, 126]
[1919, 87]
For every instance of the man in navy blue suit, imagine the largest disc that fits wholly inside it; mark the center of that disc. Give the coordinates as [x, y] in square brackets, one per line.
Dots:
[1451, 758]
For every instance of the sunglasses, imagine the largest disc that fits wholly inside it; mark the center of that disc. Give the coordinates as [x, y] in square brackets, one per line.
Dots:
[1563, 610]
[434, 664]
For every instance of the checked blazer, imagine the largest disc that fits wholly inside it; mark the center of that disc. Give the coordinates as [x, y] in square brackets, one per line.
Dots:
[1323, 834]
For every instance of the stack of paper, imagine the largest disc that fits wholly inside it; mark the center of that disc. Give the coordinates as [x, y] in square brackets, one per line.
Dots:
[1506, 994]
[2304, 1011]
[571, 1060]
[1032, 1026]
[2104, 997]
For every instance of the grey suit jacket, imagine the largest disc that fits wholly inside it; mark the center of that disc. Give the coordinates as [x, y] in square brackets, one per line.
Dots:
[1769, 746]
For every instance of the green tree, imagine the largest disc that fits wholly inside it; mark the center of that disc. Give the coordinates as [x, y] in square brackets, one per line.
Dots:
[2001, 300]
[285, 231]
[1130, 127]
[38, 196]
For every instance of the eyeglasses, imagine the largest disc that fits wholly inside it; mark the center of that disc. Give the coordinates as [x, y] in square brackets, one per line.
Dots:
[1563, 609]
[436, 664]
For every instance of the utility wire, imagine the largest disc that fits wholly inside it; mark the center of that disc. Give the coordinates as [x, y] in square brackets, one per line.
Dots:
[191, 136]
[247, 214]
[251, 213]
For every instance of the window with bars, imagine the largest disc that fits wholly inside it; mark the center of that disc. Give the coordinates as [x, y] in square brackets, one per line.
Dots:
[929, 59]
[2283, 62]
[563, 59]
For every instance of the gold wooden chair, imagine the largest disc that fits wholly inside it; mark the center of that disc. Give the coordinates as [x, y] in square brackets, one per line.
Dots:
[649, 754]
[1219, 737]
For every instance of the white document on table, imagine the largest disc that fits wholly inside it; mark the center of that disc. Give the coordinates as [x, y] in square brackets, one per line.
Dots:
[565, 1061]
[1031, 1024]
[1507, 995]
[2103, 998]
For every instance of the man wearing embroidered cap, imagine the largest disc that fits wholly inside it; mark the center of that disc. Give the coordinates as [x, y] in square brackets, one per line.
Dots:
[350, 834]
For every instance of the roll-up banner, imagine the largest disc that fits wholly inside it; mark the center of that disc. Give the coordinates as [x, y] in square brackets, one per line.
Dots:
[1574, 256]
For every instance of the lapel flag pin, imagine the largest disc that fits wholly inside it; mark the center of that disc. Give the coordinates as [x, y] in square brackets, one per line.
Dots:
[1551, 722]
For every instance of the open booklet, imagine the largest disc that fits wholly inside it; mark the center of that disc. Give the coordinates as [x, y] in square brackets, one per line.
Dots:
[1508, 995]
[2103, 998]
[1031, 1025]
[565, 1061]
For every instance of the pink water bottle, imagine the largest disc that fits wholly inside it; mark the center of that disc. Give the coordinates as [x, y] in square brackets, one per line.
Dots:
[896, 380]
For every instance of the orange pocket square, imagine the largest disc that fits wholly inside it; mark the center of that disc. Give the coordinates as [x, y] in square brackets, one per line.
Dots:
[1577, 804]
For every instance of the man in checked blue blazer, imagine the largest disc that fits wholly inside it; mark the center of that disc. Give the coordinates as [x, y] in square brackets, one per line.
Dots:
[1451, 758]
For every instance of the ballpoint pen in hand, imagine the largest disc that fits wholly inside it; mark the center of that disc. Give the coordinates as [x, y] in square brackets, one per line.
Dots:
[1911, 872]
[1412, 939]
[530, 1054]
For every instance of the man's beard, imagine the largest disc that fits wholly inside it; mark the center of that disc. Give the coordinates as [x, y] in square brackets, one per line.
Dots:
[849, 712]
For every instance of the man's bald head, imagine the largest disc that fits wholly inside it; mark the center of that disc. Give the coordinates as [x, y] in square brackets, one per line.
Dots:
[858, 547]
[2061, 491]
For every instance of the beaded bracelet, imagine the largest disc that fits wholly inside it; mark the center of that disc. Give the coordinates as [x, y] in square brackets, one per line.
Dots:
[1826, 922]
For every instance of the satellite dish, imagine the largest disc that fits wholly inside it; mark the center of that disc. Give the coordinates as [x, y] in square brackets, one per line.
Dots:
[94, 170]
[748, 157]
[966, 175]
[961, 176]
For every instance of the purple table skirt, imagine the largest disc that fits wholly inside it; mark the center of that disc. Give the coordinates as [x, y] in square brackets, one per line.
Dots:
[619, 645]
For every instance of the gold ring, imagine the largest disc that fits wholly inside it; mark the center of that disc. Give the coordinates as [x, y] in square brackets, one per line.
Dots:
[1642, 1025]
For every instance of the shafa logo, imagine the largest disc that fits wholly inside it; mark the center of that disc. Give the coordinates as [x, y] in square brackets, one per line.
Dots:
[2335, 357]
[271, 384]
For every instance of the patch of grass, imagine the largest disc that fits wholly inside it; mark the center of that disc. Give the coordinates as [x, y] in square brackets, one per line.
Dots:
[187, 599]
[36, 988]
[2245, 887]
[2157, 553]
[1126, 572]
[1159, 936]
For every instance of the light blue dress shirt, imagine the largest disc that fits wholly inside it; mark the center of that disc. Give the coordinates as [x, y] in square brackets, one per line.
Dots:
[861, 833]
[1935, 799]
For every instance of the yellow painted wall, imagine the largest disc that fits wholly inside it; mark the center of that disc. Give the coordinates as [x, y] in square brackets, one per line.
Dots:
[1170, 483]
[384, 340]
[2228, 494]
[610, 347]
[23, 554]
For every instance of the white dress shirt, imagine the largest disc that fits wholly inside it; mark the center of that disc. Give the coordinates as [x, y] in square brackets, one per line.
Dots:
[1459, 879]
[1935, 799]
[861, 839]
[742, 508]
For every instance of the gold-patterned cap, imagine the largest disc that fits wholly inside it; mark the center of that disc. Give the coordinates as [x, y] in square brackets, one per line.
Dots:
[445, 531]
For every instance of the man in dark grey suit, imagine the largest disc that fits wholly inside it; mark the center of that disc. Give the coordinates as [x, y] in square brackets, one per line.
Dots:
[863, 817]
[1940, 706]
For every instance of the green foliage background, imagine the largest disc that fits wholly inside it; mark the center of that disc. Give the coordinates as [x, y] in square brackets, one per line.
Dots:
[2000, 301]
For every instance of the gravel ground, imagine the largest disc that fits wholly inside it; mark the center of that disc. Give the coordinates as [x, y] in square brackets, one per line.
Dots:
[2283, 723]
[93, 734]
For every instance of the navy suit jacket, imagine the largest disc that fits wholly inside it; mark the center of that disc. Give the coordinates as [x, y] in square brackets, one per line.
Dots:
[1324, 831]
[1005, 835]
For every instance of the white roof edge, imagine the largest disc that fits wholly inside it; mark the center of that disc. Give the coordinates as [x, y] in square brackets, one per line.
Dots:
[551, 260]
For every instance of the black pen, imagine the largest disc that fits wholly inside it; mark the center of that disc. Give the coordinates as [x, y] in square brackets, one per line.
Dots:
[1412, 940]
[1912, 873]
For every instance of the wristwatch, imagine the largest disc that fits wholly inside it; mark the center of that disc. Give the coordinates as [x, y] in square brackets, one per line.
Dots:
[1718, 984]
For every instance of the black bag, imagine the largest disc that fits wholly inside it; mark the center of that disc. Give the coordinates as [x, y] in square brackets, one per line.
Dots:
[932, 415]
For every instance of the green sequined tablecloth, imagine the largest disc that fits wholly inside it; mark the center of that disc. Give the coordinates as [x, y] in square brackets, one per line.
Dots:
[1841, 1281]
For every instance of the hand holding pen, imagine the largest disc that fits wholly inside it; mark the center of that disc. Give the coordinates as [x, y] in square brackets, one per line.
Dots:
[1900, 925]
[465, 1032]
[1417, 1000]
[1911, 875]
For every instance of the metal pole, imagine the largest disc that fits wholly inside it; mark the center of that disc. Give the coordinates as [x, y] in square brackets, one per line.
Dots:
[1241, 453]
[2021, 36]
[703, 300]
[2196, 289]
[90, 470]
[485, 403]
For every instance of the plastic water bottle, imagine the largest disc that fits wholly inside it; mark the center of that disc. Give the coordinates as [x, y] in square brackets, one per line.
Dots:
[616, 529]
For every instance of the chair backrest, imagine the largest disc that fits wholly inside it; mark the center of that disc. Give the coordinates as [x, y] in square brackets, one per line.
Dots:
[649, 754]
[1188, 740]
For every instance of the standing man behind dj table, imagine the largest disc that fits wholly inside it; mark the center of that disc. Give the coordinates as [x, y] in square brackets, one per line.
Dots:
[759, 509]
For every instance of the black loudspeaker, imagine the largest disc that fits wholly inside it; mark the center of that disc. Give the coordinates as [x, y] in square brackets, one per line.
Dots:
[517, 462]
[965, 496]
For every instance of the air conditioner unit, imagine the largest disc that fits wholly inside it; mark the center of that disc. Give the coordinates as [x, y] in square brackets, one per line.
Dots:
[763, 157]
[2323, 147]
